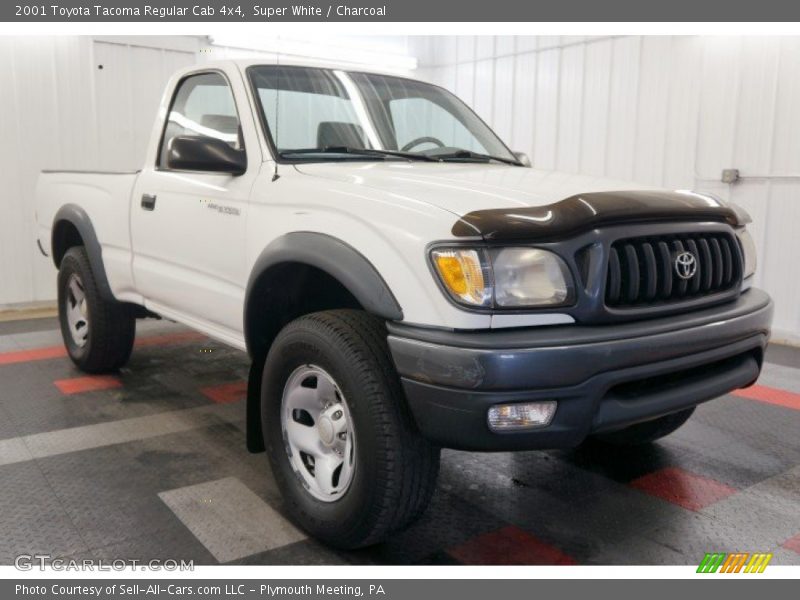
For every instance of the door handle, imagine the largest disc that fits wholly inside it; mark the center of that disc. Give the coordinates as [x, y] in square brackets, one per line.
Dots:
[148, 201]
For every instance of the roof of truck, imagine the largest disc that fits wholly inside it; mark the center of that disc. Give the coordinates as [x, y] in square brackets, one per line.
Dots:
[244, 63]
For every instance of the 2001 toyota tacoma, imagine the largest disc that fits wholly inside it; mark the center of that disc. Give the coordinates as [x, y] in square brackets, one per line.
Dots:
[402, 282]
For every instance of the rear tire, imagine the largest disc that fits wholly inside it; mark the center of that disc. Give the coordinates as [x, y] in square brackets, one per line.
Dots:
[324, 368]
[98, 333]
[649, 431]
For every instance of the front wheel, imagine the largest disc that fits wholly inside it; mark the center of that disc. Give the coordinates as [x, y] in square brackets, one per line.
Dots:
[98, 333]
[342, 444]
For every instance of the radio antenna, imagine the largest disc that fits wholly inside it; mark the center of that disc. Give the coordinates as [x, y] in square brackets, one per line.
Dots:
[275, 174]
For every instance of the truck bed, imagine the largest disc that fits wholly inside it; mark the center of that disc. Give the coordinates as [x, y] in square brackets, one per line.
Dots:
[104, 196]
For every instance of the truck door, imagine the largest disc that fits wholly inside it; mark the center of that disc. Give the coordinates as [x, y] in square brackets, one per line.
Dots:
[188, 225]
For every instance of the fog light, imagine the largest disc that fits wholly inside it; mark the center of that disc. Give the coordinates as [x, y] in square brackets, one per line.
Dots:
[527, 415]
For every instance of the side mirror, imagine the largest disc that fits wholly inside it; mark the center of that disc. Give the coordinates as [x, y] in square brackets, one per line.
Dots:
[189, 153]
[523, 158]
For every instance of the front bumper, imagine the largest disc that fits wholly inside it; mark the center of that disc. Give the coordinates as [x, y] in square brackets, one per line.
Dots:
[603, 377]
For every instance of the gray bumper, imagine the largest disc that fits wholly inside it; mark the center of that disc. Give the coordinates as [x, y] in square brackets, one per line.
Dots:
[603, 377]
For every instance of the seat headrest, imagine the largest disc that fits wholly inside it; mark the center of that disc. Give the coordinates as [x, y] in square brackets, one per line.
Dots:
[336, 133]
[222, 123]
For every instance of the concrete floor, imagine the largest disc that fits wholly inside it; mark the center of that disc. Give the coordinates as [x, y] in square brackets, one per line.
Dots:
[151, 463]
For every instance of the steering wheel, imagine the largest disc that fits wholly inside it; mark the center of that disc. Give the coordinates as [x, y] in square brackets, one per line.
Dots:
[422, 140]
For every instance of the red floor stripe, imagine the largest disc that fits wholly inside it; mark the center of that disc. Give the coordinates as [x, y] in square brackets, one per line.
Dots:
[170, 338]
[793, 544]
[682, 488]
[770, 395]
[21, 356]
[10, 358]
[509, 546]
[90, 383]
[227, 392]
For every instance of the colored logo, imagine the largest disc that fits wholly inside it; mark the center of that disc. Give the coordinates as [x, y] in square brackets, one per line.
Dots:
[685, 265]
[738, 562]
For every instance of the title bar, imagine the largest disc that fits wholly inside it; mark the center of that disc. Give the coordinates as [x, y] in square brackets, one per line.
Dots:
[400, 11]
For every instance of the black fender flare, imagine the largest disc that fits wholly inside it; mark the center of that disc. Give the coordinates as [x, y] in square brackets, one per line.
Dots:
[339, 260]
[74, 214]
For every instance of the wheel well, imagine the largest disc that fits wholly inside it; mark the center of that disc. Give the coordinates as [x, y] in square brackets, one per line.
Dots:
[285, 292]
[65, 236]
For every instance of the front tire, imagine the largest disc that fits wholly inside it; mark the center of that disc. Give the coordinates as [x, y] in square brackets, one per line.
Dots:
[341, 441]
[649, 431]
[98, 333]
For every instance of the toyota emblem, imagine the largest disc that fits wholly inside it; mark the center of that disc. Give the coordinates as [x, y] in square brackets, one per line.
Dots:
[685, 265]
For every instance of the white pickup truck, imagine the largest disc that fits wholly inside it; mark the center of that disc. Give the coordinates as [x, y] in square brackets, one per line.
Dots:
[402, 282]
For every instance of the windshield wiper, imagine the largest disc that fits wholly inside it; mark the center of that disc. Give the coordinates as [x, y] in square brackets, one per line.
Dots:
[470, 155]
[359, 151]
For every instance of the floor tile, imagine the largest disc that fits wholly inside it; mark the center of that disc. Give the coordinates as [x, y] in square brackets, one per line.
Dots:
[229, 519]
[509, 546]
[89, 383]
[689, 490]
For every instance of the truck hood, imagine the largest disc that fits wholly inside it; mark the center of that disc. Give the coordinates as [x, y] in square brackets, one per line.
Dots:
[507, 202]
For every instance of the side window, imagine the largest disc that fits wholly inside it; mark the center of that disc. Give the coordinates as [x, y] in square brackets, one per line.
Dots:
[202, 106]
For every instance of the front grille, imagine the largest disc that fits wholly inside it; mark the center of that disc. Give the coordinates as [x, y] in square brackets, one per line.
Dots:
[642, 271]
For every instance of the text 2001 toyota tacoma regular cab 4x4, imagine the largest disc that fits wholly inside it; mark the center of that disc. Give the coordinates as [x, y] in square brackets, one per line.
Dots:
[402, 282]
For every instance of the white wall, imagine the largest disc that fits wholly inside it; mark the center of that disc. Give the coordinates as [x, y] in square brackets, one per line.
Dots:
[60, 110]
[671, 111]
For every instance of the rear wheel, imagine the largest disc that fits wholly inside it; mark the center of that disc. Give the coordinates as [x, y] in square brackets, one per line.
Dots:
[341, 441]
[649, 431]
[98, 333]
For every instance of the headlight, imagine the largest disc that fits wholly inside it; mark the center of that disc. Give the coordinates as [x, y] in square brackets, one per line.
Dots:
[504, 277]
[748, 252]
[529, 277]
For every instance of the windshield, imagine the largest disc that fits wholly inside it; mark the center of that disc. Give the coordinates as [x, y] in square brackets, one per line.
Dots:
[325, 114]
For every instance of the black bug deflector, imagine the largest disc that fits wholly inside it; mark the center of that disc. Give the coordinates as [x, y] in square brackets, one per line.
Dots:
[583, 212]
